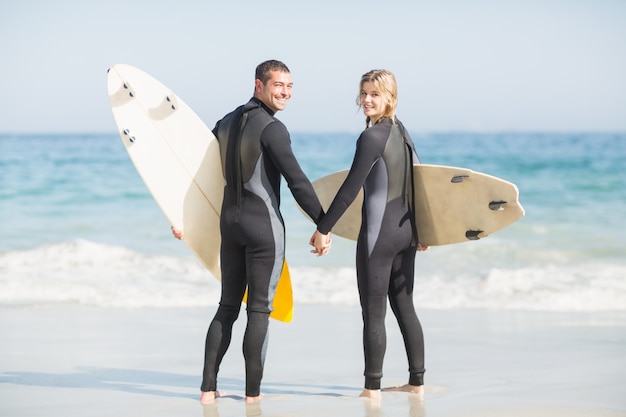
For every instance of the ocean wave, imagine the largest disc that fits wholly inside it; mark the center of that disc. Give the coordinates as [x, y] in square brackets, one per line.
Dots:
[93, 274]
[88, 273]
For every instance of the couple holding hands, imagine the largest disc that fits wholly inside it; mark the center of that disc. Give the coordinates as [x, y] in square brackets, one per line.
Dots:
[256, 153]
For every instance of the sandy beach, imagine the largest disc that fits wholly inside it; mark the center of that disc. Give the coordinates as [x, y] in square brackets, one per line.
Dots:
[76, 361]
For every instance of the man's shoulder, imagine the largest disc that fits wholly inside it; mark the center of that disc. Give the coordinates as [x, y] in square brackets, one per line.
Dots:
[274, 129]
[230, 116]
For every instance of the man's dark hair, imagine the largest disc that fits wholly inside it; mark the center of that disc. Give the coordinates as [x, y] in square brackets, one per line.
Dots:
[264, 68]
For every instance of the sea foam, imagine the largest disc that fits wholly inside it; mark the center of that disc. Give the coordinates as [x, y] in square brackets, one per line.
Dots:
[93, 274]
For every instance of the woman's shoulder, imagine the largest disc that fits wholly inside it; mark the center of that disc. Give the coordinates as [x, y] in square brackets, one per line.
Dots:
[379, 131]
[374, 138]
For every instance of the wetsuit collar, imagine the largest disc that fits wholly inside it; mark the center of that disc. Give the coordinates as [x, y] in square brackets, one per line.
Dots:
[386, 120]
[255, 102]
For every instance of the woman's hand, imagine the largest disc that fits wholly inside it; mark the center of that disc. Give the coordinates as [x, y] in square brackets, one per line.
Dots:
[321, 243]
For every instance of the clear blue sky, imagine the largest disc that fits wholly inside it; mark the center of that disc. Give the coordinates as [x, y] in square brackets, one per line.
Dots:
[472, 65]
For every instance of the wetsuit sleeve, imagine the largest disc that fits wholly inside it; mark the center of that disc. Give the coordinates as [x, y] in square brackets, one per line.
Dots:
[275, 138]
[368, 150]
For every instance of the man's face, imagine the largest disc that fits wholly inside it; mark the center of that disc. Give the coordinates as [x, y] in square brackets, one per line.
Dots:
[276, 91]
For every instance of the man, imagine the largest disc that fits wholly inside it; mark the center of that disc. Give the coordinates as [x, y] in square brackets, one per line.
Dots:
[255, 150]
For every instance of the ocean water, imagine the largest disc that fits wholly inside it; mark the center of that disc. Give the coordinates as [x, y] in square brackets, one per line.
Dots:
[77, 226]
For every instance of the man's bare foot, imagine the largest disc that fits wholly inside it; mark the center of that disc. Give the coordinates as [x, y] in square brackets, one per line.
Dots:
[254, 399]
[371, 393]
[411, 389]
[208, 397]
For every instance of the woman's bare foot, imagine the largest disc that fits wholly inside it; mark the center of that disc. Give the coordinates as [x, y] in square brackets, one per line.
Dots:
[411, 389]
[208, 397]
[371, 393]
[254, 399]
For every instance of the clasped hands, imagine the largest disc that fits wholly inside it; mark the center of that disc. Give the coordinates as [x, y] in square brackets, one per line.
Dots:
[321, 243]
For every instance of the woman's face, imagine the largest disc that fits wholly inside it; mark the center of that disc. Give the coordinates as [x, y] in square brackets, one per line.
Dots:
[372, 102]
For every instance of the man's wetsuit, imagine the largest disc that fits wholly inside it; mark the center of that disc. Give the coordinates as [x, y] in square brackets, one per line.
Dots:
[387, 242]
[256, 151]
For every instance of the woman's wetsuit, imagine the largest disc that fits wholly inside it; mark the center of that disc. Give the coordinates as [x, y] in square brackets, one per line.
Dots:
[256, 151]
[387, 242]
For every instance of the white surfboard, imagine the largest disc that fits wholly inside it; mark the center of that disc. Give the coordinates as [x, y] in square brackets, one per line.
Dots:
[177, 156]
[453, 205]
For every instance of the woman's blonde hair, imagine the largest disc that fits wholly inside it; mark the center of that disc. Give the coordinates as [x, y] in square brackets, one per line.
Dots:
[385, 83]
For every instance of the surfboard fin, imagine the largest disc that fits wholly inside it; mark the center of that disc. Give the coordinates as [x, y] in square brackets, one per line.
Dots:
[459, 178]
[167, 107]
[123, 95]
[283, 299]
[473, 234]
[130, 137]
[497, 205]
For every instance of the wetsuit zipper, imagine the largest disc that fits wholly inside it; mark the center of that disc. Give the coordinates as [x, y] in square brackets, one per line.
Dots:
[238, 173]
[408, 165]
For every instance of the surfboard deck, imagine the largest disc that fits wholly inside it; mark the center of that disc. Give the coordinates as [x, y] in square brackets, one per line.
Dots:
[177, 157]
[453, 205]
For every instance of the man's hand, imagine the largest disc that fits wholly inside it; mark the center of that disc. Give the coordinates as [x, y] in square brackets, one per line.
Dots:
[178, 234]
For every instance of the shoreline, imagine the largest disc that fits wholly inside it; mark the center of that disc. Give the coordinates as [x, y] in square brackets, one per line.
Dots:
[68, 360]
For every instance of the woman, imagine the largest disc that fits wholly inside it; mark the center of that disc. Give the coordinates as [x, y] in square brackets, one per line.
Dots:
[388, 240]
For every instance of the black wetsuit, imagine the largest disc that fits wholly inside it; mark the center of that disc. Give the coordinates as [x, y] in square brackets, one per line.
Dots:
[255, 151]
[387, 242]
